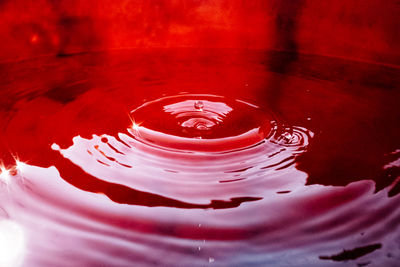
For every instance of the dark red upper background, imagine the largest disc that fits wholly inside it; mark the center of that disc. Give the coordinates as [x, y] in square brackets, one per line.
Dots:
[366, 30]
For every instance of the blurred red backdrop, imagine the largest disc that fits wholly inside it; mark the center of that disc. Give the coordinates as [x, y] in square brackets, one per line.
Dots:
[359, 29]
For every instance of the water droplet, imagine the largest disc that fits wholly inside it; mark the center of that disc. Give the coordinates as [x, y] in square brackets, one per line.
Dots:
[199, 105]
[211, 260]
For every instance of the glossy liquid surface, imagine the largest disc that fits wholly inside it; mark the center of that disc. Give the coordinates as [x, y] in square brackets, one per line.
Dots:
[194, 158]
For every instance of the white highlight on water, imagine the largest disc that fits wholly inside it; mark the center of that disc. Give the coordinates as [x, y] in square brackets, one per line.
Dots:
[4, 175]
[12, 243]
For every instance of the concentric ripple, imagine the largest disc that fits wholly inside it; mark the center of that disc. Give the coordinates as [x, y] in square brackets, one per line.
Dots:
[179, 122]
[197, 149]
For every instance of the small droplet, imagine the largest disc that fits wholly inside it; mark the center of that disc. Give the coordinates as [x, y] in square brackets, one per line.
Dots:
[199, 105]
[308, 118]
[199, 248]
[211, 260]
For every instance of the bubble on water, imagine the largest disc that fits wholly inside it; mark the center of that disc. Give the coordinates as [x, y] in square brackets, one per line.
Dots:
[199, 105]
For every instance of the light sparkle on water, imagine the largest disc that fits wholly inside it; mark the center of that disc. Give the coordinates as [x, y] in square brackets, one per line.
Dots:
[4, 175]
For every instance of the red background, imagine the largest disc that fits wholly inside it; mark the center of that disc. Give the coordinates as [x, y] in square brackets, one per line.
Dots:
[366, 30]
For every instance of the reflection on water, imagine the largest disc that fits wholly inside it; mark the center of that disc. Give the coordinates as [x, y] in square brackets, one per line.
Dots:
[11, 243]
[237, 160]
[110, 171]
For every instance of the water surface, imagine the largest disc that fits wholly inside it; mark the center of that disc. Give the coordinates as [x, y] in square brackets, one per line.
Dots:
[199, 157]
